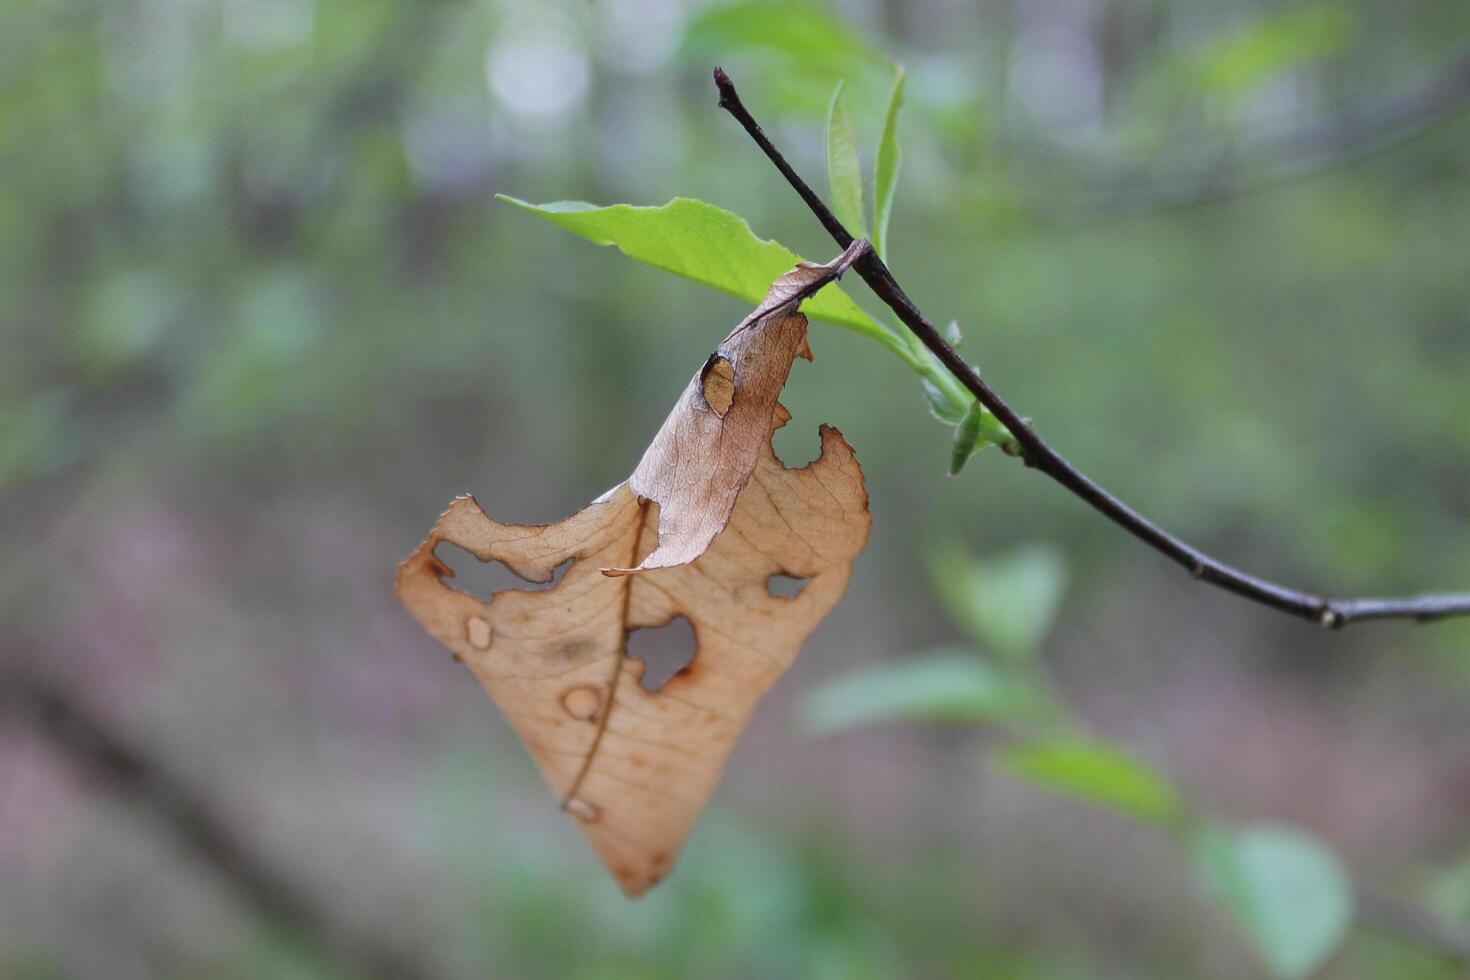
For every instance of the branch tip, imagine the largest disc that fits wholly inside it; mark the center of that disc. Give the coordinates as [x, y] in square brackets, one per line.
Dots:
[725, 86]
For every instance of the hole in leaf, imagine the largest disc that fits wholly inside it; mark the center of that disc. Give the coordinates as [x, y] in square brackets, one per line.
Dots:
[665, 651]
[783, 586]
[481, 579]
[796, 445]
[719, 384]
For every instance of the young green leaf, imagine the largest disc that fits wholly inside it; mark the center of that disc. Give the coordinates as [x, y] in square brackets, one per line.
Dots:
[966, 438]
[714, 247]
[944, 685]
[1284, 888]
[1007, 601]
[977, 429]
[1096, 773]
[885, 171]
[944, 408]
[844, 174]
[707, 244]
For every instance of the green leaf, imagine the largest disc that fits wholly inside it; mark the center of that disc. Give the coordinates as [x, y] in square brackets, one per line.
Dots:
[785, 56]
[1284, 888]
[945, 685]
[977, 429]
[704, 243]
[844, 174]
[1095, 773]
[801, 30]
[966, 438]
[34, 436]
[885, 170]
[1272, 45]
[1449, 890]
[1008, 601]
[945, 409]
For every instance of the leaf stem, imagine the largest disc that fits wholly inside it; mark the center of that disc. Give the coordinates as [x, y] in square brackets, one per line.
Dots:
[1038, 454]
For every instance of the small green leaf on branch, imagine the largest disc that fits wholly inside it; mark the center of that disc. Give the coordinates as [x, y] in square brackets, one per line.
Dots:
[844, 173]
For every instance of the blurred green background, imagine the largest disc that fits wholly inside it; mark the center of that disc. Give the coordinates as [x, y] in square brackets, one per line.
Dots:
[262, 318]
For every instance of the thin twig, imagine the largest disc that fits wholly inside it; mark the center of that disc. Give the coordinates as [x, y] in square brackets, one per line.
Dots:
[1356, 135]
[89, 741]
[1412, 924]
[1332, 613]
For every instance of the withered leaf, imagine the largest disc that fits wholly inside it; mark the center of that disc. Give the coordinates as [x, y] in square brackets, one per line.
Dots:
[708, 446]
[707, 519]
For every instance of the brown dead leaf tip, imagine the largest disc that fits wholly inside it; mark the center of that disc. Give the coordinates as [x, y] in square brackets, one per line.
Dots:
[632, 767]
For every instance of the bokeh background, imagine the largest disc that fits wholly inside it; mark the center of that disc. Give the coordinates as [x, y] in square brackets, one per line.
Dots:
[262, 318]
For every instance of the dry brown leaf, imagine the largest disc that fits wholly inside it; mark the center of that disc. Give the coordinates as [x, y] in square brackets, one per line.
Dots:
[636, 767]
[707, 448]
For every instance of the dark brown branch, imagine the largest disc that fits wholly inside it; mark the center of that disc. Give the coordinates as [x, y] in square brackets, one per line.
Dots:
[190, 819]
[1332, 613]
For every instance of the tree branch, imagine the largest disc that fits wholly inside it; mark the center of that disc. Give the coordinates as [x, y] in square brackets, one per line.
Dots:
[1331, 613]
[195, 824]
[1412, 924]
[1355, 135]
